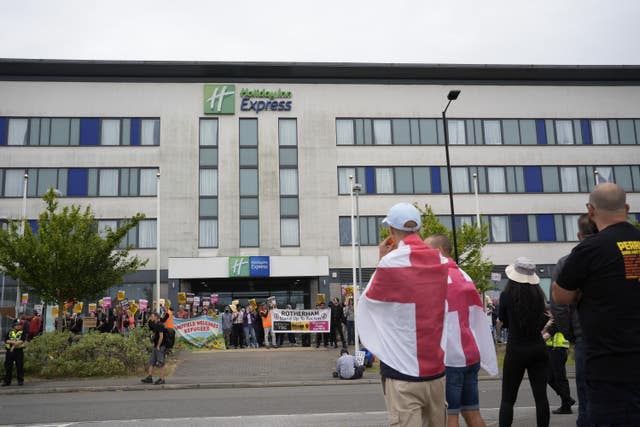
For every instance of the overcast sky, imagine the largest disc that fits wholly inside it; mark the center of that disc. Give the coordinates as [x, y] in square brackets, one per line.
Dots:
[398, 31]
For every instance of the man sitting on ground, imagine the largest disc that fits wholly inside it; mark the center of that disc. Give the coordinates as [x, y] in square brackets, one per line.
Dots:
[347, 367]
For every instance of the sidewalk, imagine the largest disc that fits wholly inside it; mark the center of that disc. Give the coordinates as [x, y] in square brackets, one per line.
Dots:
[282, 367]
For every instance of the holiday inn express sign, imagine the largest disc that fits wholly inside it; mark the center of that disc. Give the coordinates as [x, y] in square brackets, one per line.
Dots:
[249, 266]
[221, 99]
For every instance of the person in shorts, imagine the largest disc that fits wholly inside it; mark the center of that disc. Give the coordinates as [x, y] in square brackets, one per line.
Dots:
[469, 341]
[158, 351]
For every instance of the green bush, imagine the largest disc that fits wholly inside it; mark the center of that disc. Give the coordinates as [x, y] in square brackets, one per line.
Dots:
[62, 354]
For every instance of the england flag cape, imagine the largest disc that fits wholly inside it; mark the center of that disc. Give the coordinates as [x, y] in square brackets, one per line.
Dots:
[401, 313]
[469, 339]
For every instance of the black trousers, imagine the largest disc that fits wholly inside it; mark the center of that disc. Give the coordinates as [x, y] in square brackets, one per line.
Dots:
[533, 358]
[336, 329]
[322, 337]
[11, 357]
[237, 335]
[557, 378]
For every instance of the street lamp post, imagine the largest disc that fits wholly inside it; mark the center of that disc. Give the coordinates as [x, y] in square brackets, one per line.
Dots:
[451, 96]
[353, 259]
[475, 190]
[22, 228]
[356, 289]
[158, 241]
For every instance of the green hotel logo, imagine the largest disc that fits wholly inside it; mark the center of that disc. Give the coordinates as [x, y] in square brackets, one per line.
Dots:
[219, 99]
[239, 266]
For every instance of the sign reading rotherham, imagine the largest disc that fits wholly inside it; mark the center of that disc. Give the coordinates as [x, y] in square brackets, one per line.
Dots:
[301, 321]
[220, 99]
[249, 266]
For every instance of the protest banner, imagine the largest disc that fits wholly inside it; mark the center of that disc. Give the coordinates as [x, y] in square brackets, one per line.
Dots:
[121, 295]
[77, 308]
[124, 304]
[92, 307]
[106, 302]
[143, 304]
[320, 299]
[25, 299]
[253, 303]
[202, 331]
[196, 301]
[182, 298]
[206, 302]
[214, 299]
[301, 321]
[38, 308]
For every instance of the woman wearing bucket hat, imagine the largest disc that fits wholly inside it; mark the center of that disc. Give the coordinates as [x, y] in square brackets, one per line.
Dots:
[522, 311]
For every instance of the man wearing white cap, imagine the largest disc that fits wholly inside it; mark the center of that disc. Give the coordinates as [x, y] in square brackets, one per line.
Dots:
[400, 319]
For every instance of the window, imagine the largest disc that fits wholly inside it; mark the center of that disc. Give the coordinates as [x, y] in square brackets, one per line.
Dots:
[289, 232]
[18, 131]
[367, 231]
[288, 182]
[208, 132]
[110, 132]
[404, 180]
[456, 132]
[401, 132]
[569, 179]
[105, 225]
[13, 182]
[604, 174]
[108, 182]
[150, 132]
[492, 132]
[208, 233]
[147, 233]
[550, 181]
[564, 132]
[571, 227]
[496, 180]
[344, 132]
[382, 132]
[384, 181]
[249, 233]
[148, 182]
[498, 228]
[599, 132]
[460, 177]
[208, 182]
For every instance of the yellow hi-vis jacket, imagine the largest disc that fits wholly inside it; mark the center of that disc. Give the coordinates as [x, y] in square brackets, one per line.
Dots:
[558, 341]
[15, 336]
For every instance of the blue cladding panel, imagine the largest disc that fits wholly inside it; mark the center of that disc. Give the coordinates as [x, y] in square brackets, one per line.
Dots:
[519, 228]
[436, 183]
[89, 132]
[3, 130]
[546, 227]
[541, 132]
[77, 182]
[586, 132]
[35, 226]
[532, 179]
[370, 180]
[135, 131]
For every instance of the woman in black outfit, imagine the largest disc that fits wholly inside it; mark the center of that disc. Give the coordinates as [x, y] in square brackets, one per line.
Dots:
[522, 311]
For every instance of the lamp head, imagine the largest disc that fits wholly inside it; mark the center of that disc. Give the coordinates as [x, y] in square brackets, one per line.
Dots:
[357, 188]
[453, 95]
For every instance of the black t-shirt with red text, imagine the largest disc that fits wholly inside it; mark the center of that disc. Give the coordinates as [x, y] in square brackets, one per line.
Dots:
[606, 269]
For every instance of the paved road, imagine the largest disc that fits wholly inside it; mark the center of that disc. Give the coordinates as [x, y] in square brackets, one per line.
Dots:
[336, 405]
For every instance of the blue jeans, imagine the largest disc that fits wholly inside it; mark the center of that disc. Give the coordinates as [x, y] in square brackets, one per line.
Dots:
[581, 386]
[613, 404]
[462, 389]
[250, 336]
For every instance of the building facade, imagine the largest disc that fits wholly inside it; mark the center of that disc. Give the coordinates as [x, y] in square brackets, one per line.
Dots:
[255, 160]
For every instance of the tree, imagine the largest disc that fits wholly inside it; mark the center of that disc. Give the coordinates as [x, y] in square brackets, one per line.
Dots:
[67, 259]
[471, 240]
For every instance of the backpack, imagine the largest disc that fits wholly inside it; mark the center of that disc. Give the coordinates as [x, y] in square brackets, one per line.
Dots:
[170, 338]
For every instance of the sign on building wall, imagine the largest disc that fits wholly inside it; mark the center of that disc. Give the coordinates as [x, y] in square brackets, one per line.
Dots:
[219, 99]
[249, 266]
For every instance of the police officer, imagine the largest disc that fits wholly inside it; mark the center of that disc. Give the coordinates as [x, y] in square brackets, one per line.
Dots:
[558, 347]
[14, 345]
